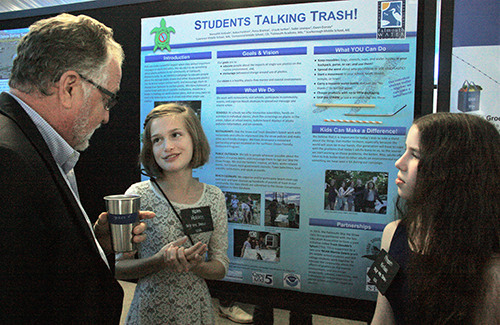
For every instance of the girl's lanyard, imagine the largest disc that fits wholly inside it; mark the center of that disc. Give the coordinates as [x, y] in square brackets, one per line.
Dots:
[170, 203]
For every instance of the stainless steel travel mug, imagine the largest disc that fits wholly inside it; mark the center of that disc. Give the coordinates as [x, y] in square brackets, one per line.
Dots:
[123, 216]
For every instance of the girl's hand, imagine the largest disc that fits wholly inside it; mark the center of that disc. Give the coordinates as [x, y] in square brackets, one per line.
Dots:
[180, 259]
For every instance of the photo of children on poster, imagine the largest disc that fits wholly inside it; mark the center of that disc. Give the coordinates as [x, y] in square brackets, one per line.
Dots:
[356, 191]
[243, 208]
[282, 210]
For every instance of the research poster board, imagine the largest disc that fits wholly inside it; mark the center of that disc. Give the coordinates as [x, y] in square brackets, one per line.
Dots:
[306, 108]
[475, 73]
[9, 39]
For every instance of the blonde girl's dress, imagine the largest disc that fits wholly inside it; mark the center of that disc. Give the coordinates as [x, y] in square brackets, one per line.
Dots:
[173, 298]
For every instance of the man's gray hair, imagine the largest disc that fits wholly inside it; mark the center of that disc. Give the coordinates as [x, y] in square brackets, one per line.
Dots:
[59, 44]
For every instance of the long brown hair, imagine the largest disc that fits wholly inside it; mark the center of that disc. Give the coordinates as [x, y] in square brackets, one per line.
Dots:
[452, 218]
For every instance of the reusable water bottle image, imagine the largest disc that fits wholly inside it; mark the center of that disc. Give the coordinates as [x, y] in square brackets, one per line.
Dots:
[123, 216]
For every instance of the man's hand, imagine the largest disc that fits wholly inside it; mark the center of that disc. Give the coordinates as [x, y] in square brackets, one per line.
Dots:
[103, 233]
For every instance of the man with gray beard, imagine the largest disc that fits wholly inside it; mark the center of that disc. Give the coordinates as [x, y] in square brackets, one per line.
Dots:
[55, 264]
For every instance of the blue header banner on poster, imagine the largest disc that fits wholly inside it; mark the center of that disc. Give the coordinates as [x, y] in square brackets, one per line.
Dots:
[342, 129]
[476, 23]
[183, 57]
[303, 140]
[262, 52]
[261, 89]
[370, 48]
[346, 224]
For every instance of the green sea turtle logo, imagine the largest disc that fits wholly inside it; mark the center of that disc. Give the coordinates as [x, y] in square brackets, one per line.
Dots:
[162, 37]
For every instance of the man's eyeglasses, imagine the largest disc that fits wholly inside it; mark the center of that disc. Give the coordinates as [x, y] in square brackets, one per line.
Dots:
[113, 98]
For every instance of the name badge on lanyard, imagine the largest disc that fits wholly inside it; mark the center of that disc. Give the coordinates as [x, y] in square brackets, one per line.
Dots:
[197, 220]
[383, 271]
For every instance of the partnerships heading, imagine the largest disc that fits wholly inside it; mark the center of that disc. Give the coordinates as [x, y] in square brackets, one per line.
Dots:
[259, 20]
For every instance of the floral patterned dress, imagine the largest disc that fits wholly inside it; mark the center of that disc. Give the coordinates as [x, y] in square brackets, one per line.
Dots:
[173, 298]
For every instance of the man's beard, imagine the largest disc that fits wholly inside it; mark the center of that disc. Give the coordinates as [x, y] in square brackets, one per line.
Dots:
[84, 143]
[81, 123]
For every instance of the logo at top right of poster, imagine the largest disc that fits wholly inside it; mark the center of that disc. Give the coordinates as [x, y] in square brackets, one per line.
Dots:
[391, 20]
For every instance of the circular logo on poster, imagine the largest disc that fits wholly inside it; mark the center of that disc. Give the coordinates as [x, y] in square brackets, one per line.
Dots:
[373, 248]
[292, 280]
